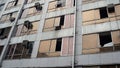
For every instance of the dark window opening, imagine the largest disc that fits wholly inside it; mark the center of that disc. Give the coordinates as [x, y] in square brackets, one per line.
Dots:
[103, 13]
[105, 38]
[1, 48]
[2, 31]
[62, 20]
[59, 5]
[74, 3]
[16, 1]
[58, 44]
[111, 8]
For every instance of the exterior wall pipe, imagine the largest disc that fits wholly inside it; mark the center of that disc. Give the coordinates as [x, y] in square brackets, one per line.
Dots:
[74, 38]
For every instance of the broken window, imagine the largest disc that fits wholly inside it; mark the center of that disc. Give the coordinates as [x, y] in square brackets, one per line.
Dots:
[4, 32]
[103, 12]
[50, 48]
[8, 17]
[21, 50]
[105, 38]
[27, 28]
[106, 42]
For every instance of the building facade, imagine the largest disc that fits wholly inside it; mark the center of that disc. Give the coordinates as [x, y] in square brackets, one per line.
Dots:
[59, 33]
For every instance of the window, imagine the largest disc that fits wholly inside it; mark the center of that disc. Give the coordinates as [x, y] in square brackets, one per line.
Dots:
[14, 3]
[8, 17]
[111, 8]
[58, 44]
[54, 23]
[4, 32]
[55, 5]
[30, 12]
[50, 48]
[105, 38]
[106, 42]
[1, 48]
[27, 28]
[103, 13]
[21, 50]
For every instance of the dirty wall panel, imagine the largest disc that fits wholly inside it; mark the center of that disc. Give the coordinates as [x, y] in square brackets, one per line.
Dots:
[71, 46]
[72, 20]
[69, 3]
[53, 46]
[90, 41]
[116, 37]
[65, 43]
[88, 15]
[67, 21]
[117, 9]
[57, 21]
[49, 23]
[44, 46]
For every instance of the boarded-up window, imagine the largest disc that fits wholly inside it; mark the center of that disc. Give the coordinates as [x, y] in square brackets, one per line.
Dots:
[56, 5]
[30, 12]
[50, 48]
[116, 37]
[53, 23]
[90, 43]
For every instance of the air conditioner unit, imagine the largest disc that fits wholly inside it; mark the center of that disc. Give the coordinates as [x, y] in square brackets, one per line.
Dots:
[25, 43]
[38, 6]
[57, 27]
[28, 24]
[111, 8]
[12, 19]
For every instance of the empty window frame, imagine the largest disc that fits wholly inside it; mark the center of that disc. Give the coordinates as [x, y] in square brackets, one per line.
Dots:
[103, 12]
[54, 23]
[4, 32]
[26, 29]
[8, 17]
[50, 48]
[54, 5]
[19, 51]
